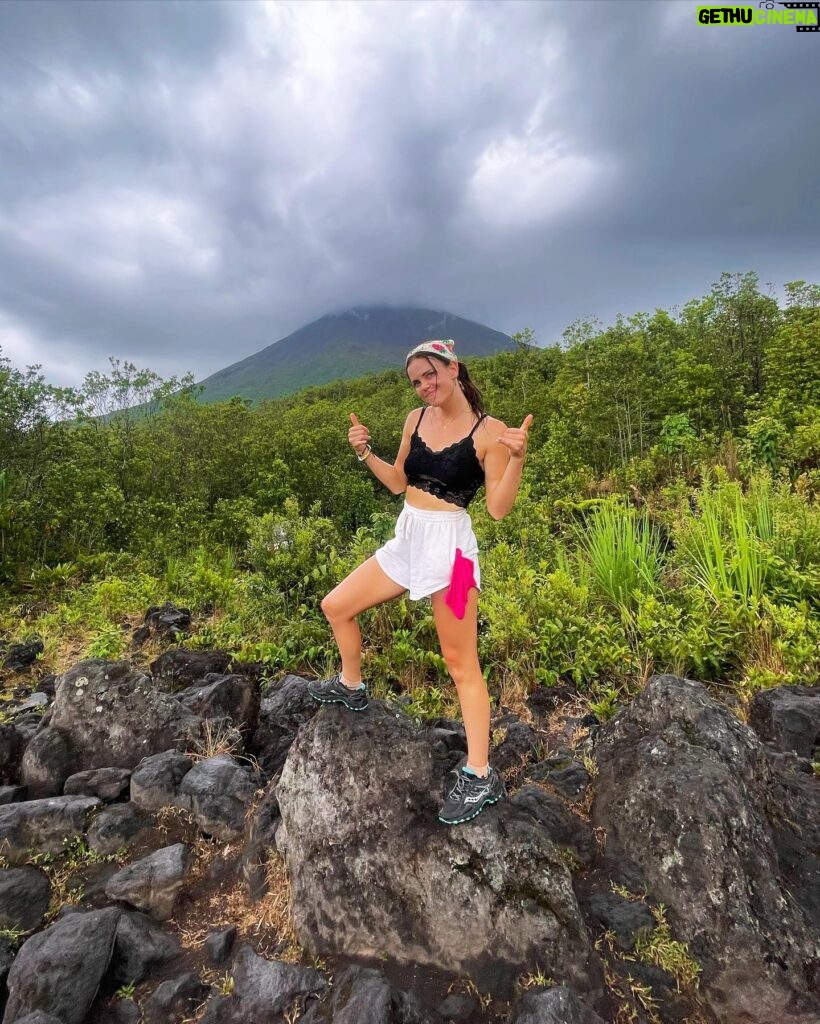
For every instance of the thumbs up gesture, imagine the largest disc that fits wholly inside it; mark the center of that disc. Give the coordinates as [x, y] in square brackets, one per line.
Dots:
[358, 435]
[515, 438]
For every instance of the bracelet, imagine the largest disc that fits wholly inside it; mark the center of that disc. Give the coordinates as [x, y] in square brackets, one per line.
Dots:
[368, 451]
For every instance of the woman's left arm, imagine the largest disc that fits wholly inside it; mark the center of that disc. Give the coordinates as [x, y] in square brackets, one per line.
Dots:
[503, 465]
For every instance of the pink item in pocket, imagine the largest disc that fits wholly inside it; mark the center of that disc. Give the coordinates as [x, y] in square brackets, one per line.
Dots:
[461, 580]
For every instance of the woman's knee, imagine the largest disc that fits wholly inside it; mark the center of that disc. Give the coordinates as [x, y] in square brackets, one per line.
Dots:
[332, 607]
[463, 667]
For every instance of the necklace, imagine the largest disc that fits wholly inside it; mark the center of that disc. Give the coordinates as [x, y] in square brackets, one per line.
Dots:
[446, 423]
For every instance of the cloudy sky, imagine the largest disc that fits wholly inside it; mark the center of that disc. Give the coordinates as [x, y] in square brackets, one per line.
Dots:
[182, 184]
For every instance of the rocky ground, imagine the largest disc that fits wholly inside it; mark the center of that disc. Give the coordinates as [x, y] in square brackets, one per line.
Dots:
[198, 843]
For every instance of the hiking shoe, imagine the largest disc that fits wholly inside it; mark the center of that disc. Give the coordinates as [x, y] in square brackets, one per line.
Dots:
[334, 691]
[469, 796]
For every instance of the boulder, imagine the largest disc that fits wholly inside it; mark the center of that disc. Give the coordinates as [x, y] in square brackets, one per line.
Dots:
[11, 750]
[152, 884]
[218, 791]
[45, 764]
[112, 716]
[553, 1006]
[362, 995]
[24, 895]
[140, 945]
[178, 669]
[232, 697]
[263, 990]
[59, 970]
[12, 794]
[175, 998]
[564, 828]
[156, 780]
[458, 1008]
[21, 656]
[626, 920]
[789, 717]
[106, 783]
[285, 708]
[371, 867]
[43, 825]
[219, 944]
[683, 792]
[114, 827]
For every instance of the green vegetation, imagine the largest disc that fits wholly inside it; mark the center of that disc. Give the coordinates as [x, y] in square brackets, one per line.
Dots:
[668, 519]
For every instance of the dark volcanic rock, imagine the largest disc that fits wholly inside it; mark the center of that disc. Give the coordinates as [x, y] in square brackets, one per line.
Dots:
[263, 990]
[285, 708]
[553, 1006]
[114, 828]
[174, 998]
[385, 895]
[261, 838]
[794, 816]
[789, 717]
[106, 783]
[44, 768]
[168, 619]
[42, 825]
[20, 656]
[140, 945]
[178, 669]
[12, 794]
[156, 780]
[518, 746]
[219, 944]
[563, 827]
[152, 884]
[11, 750]
[233, 697]
[24, 894]
[59, 970]
[112, 716]
[218, 792]
[683, 793]
[458, 1008]
[362, 995]
[626, 919]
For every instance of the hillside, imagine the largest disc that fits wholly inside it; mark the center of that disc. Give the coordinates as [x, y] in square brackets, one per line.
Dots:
[346, 345]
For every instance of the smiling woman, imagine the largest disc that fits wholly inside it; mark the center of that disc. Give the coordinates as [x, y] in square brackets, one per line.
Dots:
[434, 553]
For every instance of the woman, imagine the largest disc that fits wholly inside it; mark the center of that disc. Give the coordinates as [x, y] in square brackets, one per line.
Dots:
[448, 449]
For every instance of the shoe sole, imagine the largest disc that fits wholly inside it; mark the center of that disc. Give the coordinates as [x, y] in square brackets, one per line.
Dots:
[337, 700]
[475, 814]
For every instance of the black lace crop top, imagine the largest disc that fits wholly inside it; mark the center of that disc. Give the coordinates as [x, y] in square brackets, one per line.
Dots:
[453, 474]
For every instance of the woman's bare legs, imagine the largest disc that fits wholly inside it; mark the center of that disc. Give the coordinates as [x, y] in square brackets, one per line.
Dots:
[459, 648]
[364, 588]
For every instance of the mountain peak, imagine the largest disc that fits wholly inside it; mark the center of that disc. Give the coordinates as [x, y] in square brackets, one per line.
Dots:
[347, 344]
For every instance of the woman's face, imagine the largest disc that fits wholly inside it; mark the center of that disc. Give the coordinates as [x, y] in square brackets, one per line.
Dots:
[433, 380]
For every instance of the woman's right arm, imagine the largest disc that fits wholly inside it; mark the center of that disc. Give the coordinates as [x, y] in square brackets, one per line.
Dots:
[393, 476]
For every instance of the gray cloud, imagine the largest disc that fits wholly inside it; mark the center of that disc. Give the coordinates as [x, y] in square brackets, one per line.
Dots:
[183, 184]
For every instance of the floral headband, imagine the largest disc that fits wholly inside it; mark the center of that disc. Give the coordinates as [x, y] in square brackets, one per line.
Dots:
[444, 348]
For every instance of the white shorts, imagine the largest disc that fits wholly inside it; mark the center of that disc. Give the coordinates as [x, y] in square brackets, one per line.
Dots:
[420, 557]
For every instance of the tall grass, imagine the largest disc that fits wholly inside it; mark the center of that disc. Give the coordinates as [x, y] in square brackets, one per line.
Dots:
[622, 553]
[724, 549]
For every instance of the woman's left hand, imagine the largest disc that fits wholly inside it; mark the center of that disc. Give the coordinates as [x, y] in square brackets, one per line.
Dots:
[515, 438]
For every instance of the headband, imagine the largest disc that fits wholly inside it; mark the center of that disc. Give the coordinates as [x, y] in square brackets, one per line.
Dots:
[443, 348]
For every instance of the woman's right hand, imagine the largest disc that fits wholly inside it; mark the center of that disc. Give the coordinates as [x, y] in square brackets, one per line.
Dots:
[358, 435]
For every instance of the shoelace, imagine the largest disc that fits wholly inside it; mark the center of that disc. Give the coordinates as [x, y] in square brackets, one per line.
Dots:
[461, 782]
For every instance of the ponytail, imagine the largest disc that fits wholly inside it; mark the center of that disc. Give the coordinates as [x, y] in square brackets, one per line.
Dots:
[471, 392]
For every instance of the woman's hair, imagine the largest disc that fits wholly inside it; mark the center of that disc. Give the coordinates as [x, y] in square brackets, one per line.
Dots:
[471, 392]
